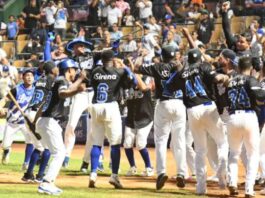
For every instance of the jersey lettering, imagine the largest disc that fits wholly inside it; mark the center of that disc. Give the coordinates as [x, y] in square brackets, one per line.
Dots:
[239, 96]
[196, 89]
[102, 92]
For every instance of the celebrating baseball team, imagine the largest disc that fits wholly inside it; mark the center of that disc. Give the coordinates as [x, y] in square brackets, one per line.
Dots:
[206, 107]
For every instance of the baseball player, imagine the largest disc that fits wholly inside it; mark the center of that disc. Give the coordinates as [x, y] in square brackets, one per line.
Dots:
[138, 124]
[81, 101]
[170, 116]
[106, 119]
[242, 92]
[47, 126]
[42, 90]
[15, 121]
[203, 116]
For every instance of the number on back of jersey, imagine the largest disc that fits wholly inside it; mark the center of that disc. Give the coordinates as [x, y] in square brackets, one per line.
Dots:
[192, 90]
[239, 97]
[102, 93]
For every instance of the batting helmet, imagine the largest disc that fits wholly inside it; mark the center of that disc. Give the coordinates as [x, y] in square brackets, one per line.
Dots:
[66, 64]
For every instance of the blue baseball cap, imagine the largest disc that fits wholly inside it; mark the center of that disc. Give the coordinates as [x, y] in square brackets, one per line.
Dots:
[5, 68]
[168, 16]
[70, 45]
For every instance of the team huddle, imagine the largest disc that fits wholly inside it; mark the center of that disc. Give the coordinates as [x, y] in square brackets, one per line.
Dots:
[214, 107]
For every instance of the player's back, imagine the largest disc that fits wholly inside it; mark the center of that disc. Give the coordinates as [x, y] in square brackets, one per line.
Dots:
[192, 81]
[42, 91]
[106, 82]
[241, 93]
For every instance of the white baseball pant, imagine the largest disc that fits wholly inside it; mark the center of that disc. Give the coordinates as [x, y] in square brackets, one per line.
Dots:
[190, 153]
[139, 136]
[9, 132]
[106, 120]
[170, 116]
[205, 119]
[262, 153]
[243, 128]
[80, 102]
[51, 136]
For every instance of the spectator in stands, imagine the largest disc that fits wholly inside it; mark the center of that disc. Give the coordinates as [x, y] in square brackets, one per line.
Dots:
[57, 42]
[128, 19]
[257, 8]
[33, 46]
[158, 11]
[114, 14]
[129, 45]
[149, 43]
[58, 54]
[115, 34]
[205, 27]
[103, 5]
[106, 42]
[194, 14]
[4, 62]
[154, 27]
[40, 32]
[196, 41]
[12, 28]
[98, 35]
[145, 9]
[6, 81]
[122, 5]
[170, 41]
[60, 23]
[49, 12]
[31, 13]
[172, 7]
[177, 37]
[92, 18]
[20, 22]
[3, 27]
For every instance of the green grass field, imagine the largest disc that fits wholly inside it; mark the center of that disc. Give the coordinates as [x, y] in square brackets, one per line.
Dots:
[12, 187]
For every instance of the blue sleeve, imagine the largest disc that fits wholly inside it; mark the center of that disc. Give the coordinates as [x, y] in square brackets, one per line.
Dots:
[47, 51]
[130, 75]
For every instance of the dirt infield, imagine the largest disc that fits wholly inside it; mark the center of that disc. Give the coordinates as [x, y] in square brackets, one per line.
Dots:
[130, 182]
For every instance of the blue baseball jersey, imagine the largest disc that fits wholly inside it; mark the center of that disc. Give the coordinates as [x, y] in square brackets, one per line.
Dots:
[23, 95]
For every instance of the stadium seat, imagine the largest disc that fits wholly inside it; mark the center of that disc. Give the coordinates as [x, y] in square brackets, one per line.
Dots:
[127, 30]
[21, 45]
[22, 37]
[19, 63]
[9, 47]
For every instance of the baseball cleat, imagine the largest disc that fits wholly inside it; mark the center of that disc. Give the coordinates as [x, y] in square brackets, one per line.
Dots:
[114, 180]
[160, 181]
[233, 191]
[28, 178]
[92, 180]
[25, 166]
[149, 172]
[180, 181]
[38, 178]
[213, 178]
[132, 171]
[49, 189]
[5, 156]
[84, 167]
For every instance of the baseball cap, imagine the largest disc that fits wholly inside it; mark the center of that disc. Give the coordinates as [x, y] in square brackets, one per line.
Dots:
[70, 45]
[168, 16]
[27, 70]
[48, 66]
[168, 52]
[5, 68]
[194, 55]
[146, 26]
[231, 55]
[224, 1]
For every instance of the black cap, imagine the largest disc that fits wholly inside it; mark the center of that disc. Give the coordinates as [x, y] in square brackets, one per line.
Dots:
[194, 56]
[168, 52]
[107, 55]
[231, 55]
[48, 66]
[28, 70]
